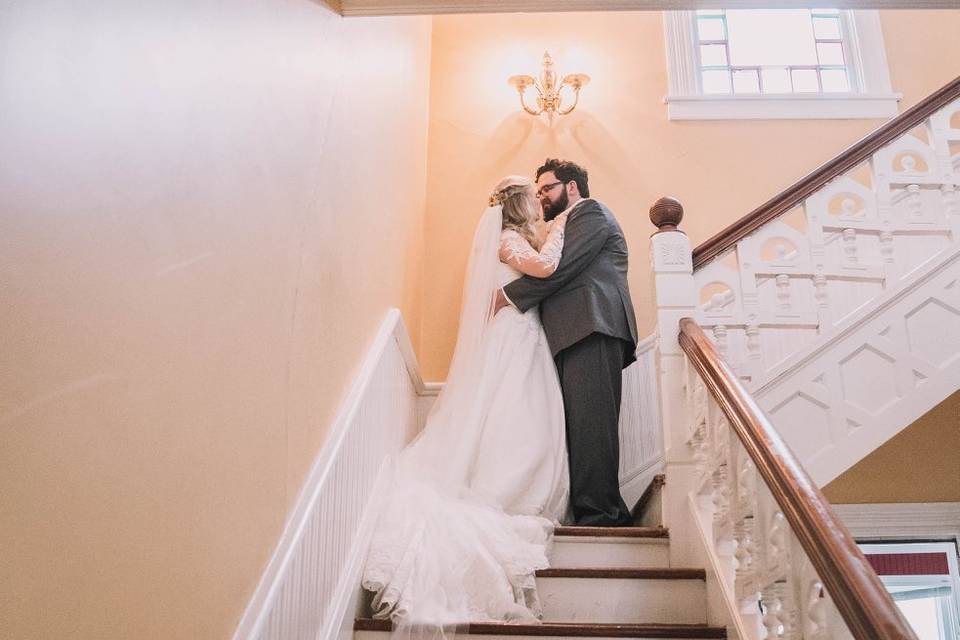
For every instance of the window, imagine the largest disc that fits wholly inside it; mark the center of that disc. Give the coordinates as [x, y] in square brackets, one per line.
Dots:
[783, 63]
[923, 580]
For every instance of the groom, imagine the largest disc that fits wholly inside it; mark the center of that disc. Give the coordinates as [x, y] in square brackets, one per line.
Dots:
[588, 317]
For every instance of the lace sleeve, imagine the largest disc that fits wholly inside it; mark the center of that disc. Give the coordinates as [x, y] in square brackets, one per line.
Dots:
[517, 252]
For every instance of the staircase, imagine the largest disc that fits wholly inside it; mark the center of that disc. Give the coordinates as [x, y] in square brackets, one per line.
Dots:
[789, 346]
[605, 583]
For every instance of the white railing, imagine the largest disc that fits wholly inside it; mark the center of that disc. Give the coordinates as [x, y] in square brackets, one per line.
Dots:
[780, 554]
[841, 316]
[809, 273]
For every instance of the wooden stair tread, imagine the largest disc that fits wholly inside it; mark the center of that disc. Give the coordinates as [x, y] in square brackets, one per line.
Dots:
[612, 532]
[665, 573]
[572, 629]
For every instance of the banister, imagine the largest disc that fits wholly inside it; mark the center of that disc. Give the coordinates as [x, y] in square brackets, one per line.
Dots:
[860, 597]
[806, 186]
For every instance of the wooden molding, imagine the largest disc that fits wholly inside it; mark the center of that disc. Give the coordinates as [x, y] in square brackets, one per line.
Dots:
[812, 182]
[628, 574]
[860, 597]
[612, 532]
[570, 629]
[428, 7]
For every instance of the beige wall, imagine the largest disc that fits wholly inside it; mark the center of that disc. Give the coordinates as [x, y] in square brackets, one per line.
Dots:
[719, 170]
[919, 464]
[206, 208]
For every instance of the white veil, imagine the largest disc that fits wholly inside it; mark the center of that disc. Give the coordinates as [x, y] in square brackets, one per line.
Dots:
[436, 545]
[448, 441]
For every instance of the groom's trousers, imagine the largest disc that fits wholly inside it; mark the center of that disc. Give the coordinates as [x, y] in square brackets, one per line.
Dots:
[591, 376]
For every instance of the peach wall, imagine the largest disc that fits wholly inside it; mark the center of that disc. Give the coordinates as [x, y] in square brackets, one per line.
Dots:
[719, 170]
[206, 208]
[919, 464]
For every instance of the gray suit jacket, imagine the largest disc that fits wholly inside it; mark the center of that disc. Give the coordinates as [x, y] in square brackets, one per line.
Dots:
[588, 291]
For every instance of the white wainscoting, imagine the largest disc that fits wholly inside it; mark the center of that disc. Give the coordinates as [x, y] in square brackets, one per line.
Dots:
[309, 588]
[641, 438]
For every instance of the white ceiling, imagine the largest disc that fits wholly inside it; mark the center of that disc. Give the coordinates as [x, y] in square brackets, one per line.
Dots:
[411, 7]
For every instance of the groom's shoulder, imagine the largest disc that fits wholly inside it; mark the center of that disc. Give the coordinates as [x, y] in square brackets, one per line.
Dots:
[597, 207]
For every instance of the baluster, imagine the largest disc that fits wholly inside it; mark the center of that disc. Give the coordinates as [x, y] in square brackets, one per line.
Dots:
[886, 246]
[820, 287]
[781, 596]
[914, 204]
[815, 620]
[778, 542]
[753, 338]
[768, 600]
[745, 553]
[722, 499]
[950, 209]
[783, 291]
[850, 245]
[720, 336]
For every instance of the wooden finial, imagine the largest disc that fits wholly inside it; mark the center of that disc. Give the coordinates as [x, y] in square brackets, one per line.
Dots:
[666, 214]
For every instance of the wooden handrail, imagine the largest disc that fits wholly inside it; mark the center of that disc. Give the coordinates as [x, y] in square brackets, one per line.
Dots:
[805, 187]
[857, 592]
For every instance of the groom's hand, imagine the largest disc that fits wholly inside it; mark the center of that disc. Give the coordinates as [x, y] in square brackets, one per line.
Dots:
[500, 302]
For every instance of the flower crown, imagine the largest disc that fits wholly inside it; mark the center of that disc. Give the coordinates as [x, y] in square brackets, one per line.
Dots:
[498, 197]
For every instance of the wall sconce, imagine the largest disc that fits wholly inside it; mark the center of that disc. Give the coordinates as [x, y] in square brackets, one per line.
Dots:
[549, 99]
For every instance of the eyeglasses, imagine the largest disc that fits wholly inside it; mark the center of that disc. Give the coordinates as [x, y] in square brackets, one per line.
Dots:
[547, 187]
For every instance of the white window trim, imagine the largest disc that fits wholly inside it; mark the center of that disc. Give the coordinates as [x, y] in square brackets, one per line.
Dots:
[872, 95]
[901, 521]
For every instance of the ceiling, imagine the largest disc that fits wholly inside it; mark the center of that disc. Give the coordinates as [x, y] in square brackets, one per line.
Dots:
[414, 7]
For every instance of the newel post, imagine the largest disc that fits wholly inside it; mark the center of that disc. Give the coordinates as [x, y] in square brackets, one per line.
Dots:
[671, 262]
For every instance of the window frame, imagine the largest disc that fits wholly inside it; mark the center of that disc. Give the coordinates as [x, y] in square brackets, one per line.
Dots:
[948, 609]
[871, 95]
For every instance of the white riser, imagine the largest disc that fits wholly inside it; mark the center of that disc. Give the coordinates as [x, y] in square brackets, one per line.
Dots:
[623, 600]
[635, 553]
[385, 635]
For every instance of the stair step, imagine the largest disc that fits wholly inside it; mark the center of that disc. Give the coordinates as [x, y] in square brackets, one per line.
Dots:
[612, 532]
[370, 629]
[623, 595]
[578, 551]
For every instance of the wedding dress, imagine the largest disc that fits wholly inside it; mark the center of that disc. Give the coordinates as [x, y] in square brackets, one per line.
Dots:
[470, 505]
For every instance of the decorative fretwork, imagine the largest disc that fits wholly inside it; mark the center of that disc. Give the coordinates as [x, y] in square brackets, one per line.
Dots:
[806, 274]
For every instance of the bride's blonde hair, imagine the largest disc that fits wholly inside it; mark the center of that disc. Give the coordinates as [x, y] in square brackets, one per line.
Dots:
[515, 194]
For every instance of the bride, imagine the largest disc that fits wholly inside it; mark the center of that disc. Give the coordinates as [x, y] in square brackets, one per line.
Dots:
[471, 503]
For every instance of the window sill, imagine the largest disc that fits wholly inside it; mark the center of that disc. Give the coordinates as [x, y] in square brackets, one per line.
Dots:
[783, 107]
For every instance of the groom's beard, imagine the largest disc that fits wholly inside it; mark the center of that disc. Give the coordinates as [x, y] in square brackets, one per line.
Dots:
[556, 207]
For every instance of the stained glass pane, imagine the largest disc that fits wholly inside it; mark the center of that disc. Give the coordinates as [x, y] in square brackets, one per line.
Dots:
[711, 29]
[827, 28]
[771, 38]
[713, 55]
[830, 53]
[834, 80]
[716, 81]
[746, 81]
[776, 80]
[805, 81]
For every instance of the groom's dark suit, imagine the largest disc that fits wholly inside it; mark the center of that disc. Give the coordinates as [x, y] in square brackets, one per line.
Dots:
[588, 317]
